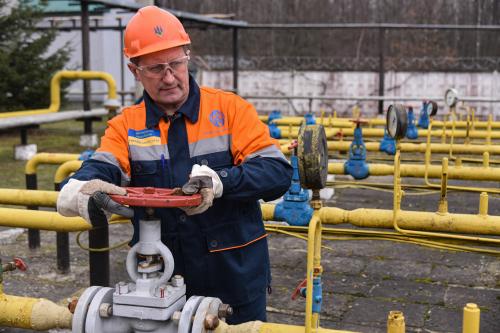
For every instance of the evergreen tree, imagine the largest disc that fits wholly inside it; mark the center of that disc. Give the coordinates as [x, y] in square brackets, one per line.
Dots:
[26, 68]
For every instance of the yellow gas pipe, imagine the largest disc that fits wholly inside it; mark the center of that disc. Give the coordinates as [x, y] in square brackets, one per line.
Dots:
[260, 327]
[463, 173]
[55, 90]
[332, 133]
[47, 158]
[65, 170]
[433, 171]
[409, 147]
[32, 313]
[346, 122]
[471, 318]
[398, 195]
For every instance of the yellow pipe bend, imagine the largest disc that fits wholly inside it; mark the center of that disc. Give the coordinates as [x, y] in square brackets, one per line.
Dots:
[66, 169]
[32, 313]
[55, 90]
[47, 158]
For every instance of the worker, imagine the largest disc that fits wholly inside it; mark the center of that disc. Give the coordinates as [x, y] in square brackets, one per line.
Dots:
[199, 139]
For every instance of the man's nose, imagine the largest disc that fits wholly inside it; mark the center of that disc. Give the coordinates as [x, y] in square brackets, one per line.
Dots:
[168, 75]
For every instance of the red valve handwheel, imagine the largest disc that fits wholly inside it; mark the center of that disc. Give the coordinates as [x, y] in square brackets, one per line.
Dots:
[156, 198]
[20, 264]
[296, 292]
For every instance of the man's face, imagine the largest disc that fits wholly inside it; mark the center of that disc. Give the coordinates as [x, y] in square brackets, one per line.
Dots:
[170, 88]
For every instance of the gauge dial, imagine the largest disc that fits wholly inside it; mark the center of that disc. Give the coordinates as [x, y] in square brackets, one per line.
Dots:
[451, 97]
[397, 121]
[432, 108]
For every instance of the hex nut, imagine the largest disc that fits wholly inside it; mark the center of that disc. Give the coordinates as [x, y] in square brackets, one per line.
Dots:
[105, 310]
[225, 310]
[177, 281]
[73, 302]
[176, 317]
[211, 322]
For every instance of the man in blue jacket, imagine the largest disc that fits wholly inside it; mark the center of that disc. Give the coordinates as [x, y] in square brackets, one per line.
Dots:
[203, 140]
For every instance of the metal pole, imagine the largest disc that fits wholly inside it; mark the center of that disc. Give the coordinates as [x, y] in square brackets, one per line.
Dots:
[62, 246]
[235, 60]
[99, 261]
[86, 62]
[122, 63]
[33, 234]
[381, 69]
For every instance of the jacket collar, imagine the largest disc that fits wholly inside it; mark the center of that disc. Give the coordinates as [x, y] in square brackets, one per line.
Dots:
[190, 109]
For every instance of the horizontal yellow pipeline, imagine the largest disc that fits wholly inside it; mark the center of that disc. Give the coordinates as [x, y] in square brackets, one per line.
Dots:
[66, 169]
[55, 90]
[418, 171]
[332, 133]
[412, 147]
[42, 220]
[28, 197]
[47, 158]
[32, 313]
[260, 327]
[424, 221]
[346, 122]
[370, 218]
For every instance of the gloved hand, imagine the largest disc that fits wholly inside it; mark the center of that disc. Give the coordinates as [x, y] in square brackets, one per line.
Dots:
[73, 200]
[205, 181]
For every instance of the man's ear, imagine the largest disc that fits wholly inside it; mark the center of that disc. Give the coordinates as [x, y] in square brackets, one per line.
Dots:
[133, 69]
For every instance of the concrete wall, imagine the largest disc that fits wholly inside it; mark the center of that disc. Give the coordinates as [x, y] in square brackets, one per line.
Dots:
[292, 83]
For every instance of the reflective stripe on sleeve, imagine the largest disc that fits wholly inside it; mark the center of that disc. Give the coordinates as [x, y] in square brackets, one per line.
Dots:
[111, 159]
[269, 151]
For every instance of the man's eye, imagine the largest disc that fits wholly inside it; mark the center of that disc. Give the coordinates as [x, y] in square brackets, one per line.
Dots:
[156, 68]
[176, 64]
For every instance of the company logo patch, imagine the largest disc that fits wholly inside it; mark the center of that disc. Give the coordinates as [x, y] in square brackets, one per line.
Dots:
[217, 118]
[144, 138]
[158, 31]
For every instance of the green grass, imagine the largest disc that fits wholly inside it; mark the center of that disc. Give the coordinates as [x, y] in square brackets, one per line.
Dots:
[61, 137]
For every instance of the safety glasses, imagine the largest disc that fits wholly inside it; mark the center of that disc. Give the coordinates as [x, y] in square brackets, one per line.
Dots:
[158, 71]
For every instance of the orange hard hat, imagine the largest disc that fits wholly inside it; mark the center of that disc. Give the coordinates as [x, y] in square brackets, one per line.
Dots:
[153, 29]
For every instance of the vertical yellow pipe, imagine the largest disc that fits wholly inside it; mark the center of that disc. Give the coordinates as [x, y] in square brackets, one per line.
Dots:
[311, 322]
[396, 322]
[486, 159]
[471, 318]
[443, 201]
[483, 204]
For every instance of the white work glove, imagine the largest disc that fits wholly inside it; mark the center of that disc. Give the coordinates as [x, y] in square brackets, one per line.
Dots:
[205, 181]
[74, 197]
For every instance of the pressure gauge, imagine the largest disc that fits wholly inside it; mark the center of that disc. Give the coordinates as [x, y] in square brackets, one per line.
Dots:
[432, 108]
[396, 122]
[451, 97]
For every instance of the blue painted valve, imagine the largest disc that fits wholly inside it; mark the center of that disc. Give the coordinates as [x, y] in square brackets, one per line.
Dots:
[294, 208]
[310, 120]
[412, 130]
[423, 119]
[274, 131]
[356, 165]
[388, 144]
[317, 293]
[275, 114]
